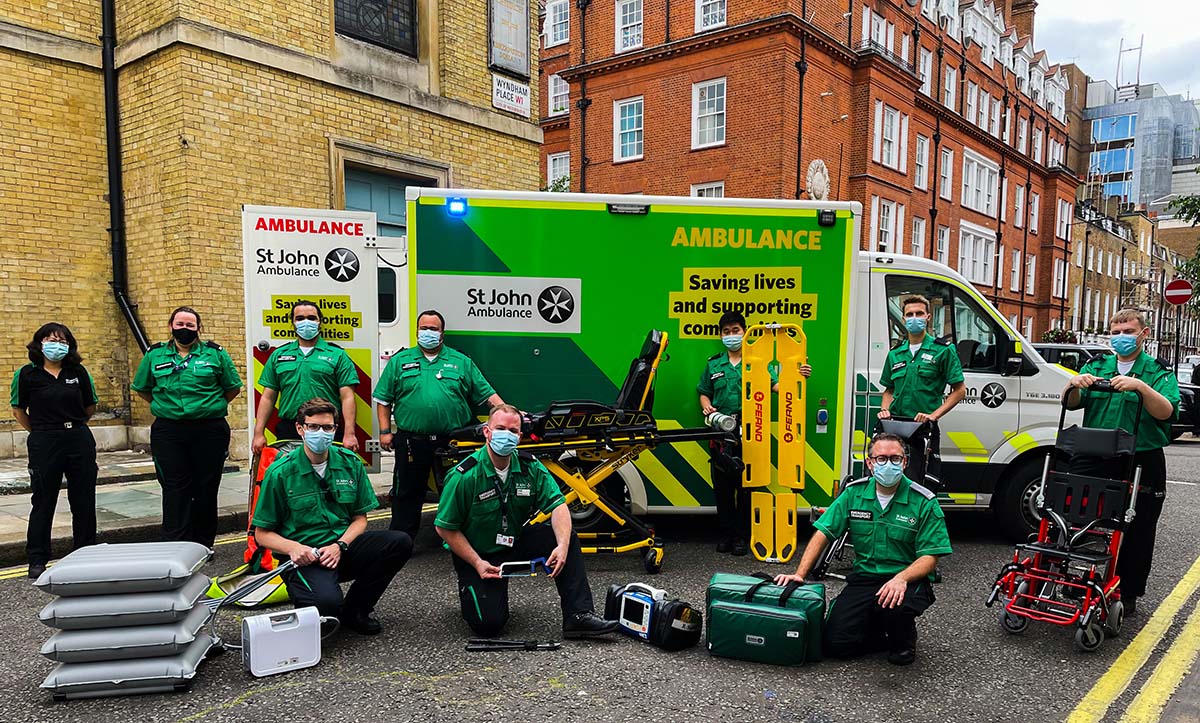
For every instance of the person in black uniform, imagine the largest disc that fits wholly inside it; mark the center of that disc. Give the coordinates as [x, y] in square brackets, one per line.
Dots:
[52, 398]
[189, 384]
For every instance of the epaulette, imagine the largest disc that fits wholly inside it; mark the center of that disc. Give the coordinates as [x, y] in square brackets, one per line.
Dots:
[1164, 364]
[858, 481]
[526, 455]
[466, 465]
[159, 345]
[212, 345]
[335, 346]
[899, 343]
[923, 490]
[717, 356]
[943, 341]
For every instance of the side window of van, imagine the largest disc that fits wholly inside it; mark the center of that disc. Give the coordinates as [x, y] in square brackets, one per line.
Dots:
[956, 317]
[1071, 360]
[387, 295]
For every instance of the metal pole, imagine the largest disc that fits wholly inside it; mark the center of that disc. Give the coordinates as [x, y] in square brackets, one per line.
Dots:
[1178, 324]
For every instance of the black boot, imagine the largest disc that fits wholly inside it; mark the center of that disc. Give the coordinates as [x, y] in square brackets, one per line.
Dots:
[587, 625]
[360, 622]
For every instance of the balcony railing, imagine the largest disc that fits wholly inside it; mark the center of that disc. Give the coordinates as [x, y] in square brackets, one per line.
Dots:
[870, 47]
[389, 23]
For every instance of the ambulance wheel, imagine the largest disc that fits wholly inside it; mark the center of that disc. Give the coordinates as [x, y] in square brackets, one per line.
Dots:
[1116, 619]
[1088, 639]
[1017, 507]
[653, 560]
[1013, 624]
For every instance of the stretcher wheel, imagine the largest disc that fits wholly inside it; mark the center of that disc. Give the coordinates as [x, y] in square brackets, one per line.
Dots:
[1012, 623]
[1116, 619]
[1089, 638]
[653, 560]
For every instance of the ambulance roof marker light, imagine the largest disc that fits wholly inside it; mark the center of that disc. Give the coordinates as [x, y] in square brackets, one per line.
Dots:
[456, 207]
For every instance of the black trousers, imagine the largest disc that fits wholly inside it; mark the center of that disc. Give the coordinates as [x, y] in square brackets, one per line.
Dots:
[485, 602]
[415, 459]
[53, 455]
[190, 455]
[733, 500]
[858, 625]
[372, 561]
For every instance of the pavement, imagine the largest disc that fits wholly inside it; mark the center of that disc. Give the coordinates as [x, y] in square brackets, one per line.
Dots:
[967, 669]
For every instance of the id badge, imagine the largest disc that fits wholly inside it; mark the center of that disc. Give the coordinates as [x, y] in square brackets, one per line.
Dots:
[505, 540]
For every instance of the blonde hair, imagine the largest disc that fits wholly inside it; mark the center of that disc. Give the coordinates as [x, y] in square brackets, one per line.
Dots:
[1124, 316]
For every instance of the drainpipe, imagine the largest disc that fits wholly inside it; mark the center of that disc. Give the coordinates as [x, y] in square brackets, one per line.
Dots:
[583, 102]
[667, 37]
[116, 190]
[934, 185]
[850, 24]
[802, 68]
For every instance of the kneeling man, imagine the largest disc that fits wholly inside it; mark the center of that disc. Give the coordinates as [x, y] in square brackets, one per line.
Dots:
[313, 508]
[898, 532]
[481, 516]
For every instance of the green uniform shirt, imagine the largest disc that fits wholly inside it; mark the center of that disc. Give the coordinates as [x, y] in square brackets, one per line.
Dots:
[191, 387]
[472, 496]
[305, 508]
[918, 383]
[887, 541]
[721, 382]
[299, 377]
[1109, 411]
[432, 397]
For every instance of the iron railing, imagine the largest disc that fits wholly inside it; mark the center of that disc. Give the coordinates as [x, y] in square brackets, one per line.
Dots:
[870, 47]
[389, 23]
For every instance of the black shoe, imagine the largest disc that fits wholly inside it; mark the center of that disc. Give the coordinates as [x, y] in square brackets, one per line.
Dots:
[725, 546]
[361, 623]
[903, 656]
[36, 569]
[587, 625]
[740, 548]
[1130, 602]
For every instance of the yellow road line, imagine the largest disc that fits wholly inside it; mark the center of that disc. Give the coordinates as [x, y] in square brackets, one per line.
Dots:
[1095, 704]
[1148, 705]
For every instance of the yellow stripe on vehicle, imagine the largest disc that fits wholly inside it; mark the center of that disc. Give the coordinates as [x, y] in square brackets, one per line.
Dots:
[692, 452]
[1021, 442]
[734, 210]
[860, 444]
[1068, 370]
[1147, 707]
[816, 468]
[961, 498]
[970, 445]
[665, 482]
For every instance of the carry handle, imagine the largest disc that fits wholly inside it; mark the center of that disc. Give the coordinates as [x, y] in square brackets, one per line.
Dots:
[788, 589]
[1104, 386]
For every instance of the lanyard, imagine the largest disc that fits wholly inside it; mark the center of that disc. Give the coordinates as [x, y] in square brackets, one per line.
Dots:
[503, 498]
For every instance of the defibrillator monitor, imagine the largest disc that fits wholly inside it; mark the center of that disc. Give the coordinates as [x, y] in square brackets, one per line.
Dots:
[635, 613]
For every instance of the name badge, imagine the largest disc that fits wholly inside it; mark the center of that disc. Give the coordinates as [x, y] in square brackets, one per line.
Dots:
[898, 365]
[862, 515]
[715, 376]
[487, 495]
[505, 540]
[286, 357]
[523, 492]
[927, 357]
[164, 365]
[410, 365]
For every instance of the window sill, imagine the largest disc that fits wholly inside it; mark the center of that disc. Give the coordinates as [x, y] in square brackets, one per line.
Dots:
[547, 46]
[559, 114]
[708, 146]
[619, 50]
[706, 28]
[631, 159]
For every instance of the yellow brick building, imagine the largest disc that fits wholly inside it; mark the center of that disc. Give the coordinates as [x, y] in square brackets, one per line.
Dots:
[221, 104]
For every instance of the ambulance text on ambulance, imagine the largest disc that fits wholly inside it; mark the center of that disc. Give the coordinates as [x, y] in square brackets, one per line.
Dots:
[736, 238]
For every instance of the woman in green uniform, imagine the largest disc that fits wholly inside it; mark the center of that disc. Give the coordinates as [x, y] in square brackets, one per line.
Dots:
[189, 384]
[52, 398]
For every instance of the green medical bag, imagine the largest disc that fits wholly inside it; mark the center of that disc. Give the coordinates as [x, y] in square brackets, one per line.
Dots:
[752, 618]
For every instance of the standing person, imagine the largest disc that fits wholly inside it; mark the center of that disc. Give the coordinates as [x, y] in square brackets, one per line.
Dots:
[189, 384]
[720, 390]
[52, 398]
[313, 508]
[307, 368]
[1131, 370]
[428, 390]
[915, 376]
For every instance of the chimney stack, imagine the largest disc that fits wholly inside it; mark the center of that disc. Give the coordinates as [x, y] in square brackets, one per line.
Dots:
[1022, 17]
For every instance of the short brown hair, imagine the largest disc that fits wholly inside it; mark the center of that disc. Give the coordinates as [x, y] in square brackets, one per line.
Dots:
[503, 408]
[1126, 315]
[887, 437]
[313, 407]
[916, 299]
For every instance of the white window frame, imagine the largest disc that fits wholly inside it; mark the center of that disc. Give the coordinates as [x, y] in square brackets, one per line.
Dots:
[980, 179]
[985, 109]
[554, 24]
[925, 67]
[622, 45]
[1014, 282]
[1022, 135]
[946, 178]
[1004, 201]
[551, 159]
[1019, 205]
[977, 248]
[972, 101]
[950, 87]
[884, 217]
[1037, 147]
[720, 115]
[943, 245]
[713, 189]
[640, 130]
[562, 91]
[719, 10]
[879, 30]
[1035, 204]
[1058, 290]
[997, 114]
[918, 236]
[921, 167]
[1031, 275]
[891, 143]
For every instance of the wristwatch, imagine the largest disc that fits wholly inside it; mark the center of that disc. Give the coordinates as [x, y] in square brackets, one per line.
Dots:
[342, 545]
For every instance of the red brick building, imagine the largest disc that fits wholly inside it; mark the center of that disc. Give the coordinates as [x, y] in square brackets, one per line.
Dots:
[941, 119]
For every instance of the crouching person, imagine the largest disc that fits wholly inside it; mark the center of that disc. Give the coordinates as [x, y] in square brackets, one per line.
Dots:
[898, 532]
[313, 508]
[481, 516]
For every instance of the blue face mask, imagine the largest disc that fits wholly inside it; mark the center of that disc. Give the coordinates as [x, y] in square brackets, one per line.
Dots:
[318, 442]
[1124, 344]
[503, 442]
[308, 329]
[429, 339]
[732, 342]
[888, 474]
[54, 350]
[915, 324]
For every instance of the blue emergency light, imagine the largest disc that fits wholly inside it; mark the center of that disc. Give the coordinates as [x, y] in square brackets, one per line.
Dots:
[456, 206]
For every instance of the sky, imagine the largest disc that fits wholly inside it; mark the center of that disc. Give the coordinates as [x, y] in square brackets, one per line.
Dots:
[1089, 32]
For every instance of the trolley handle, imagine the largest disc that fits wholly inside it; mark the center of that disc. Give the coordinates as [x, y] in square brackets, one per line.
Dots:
[1104, 386]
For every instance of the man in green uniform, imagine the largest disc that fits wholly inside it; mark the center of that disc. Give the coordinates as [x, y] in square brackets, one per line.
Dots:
[307, 368]
[720, 390]
[898, 532]
[1131, 370]
[313, 508]
[914, 381]
[485, 504]
[429, 390]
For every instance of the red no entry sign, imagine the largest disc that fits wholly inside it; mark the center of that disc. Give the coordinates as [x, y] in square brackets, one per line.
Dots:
[1178, 292]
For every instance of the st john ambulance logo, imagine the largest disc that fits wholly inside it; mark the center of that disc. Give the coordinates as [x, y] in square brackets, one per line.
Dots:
[556, 304]
[341, 265]
[993, 395]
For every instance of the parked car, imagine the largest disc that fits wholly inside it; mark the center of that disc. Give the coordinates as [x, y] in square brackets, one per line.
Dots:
[1074, 356]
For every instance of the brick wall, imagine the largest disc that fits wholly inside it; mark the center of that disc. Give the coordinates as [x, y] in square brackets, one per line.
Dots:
[73, 19]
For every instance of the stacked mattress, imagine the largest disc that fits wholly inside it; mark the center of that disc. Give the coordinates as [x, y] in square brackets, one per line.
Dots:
[129, 619]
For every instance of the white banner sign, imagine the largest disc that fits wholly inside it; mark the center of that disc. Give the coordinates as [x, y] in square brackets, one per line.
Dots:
[509, 95]
[520, 304]
[509, 35]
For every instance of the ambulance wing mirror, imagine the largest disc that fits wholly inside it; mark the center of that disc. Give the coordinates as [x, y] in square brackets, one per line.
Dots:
[1014, 360]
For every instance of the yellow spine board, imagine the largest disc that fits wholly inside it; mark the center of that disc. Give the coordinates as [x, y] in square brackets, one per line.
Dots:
[792, 353]
[785, 527]
[762, 525]
[757, 353]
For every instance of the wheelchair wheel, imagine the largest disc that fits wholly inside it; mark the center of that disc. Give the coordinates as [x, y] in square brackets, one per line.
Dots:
[1089, 639]
[1116, 619]
[1013, 624]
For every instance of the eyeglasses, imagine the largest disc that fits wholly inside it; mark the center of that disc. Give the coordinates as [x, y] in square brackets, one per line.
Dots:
[882, 458]
[320, 427]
